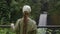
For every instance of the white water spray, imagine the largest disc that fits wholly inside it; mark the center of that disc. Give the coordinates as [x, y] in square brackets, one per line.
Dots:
[42, 22]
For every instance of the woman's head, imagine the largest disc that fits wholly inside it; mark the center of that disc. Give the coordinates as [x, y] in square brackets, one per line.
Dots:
[26, 8]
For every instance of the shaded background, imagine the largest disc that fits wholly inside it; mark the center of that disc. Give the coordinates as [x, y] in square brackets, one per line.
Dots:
[11, 10]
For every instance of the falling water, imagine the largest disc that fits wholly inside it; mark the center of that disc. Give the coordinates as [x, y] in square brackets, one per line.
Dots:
[42, 22]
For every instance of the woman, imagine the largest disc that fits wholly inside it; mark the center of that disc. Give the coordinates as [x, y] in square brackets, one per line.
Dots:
[25, 25]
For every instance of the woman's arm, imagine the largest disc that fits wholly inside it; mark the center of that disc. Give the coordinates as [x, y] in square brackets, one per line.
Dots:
[14, 28]
[17, 25]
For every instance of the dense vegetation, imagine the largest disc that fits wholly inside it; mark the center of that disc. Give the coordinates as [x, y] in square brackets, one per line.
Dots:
[11, 10]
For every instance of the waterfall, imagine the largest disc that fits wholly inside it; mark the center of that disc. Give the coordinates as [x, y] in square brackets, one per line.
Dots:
[42, 22]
